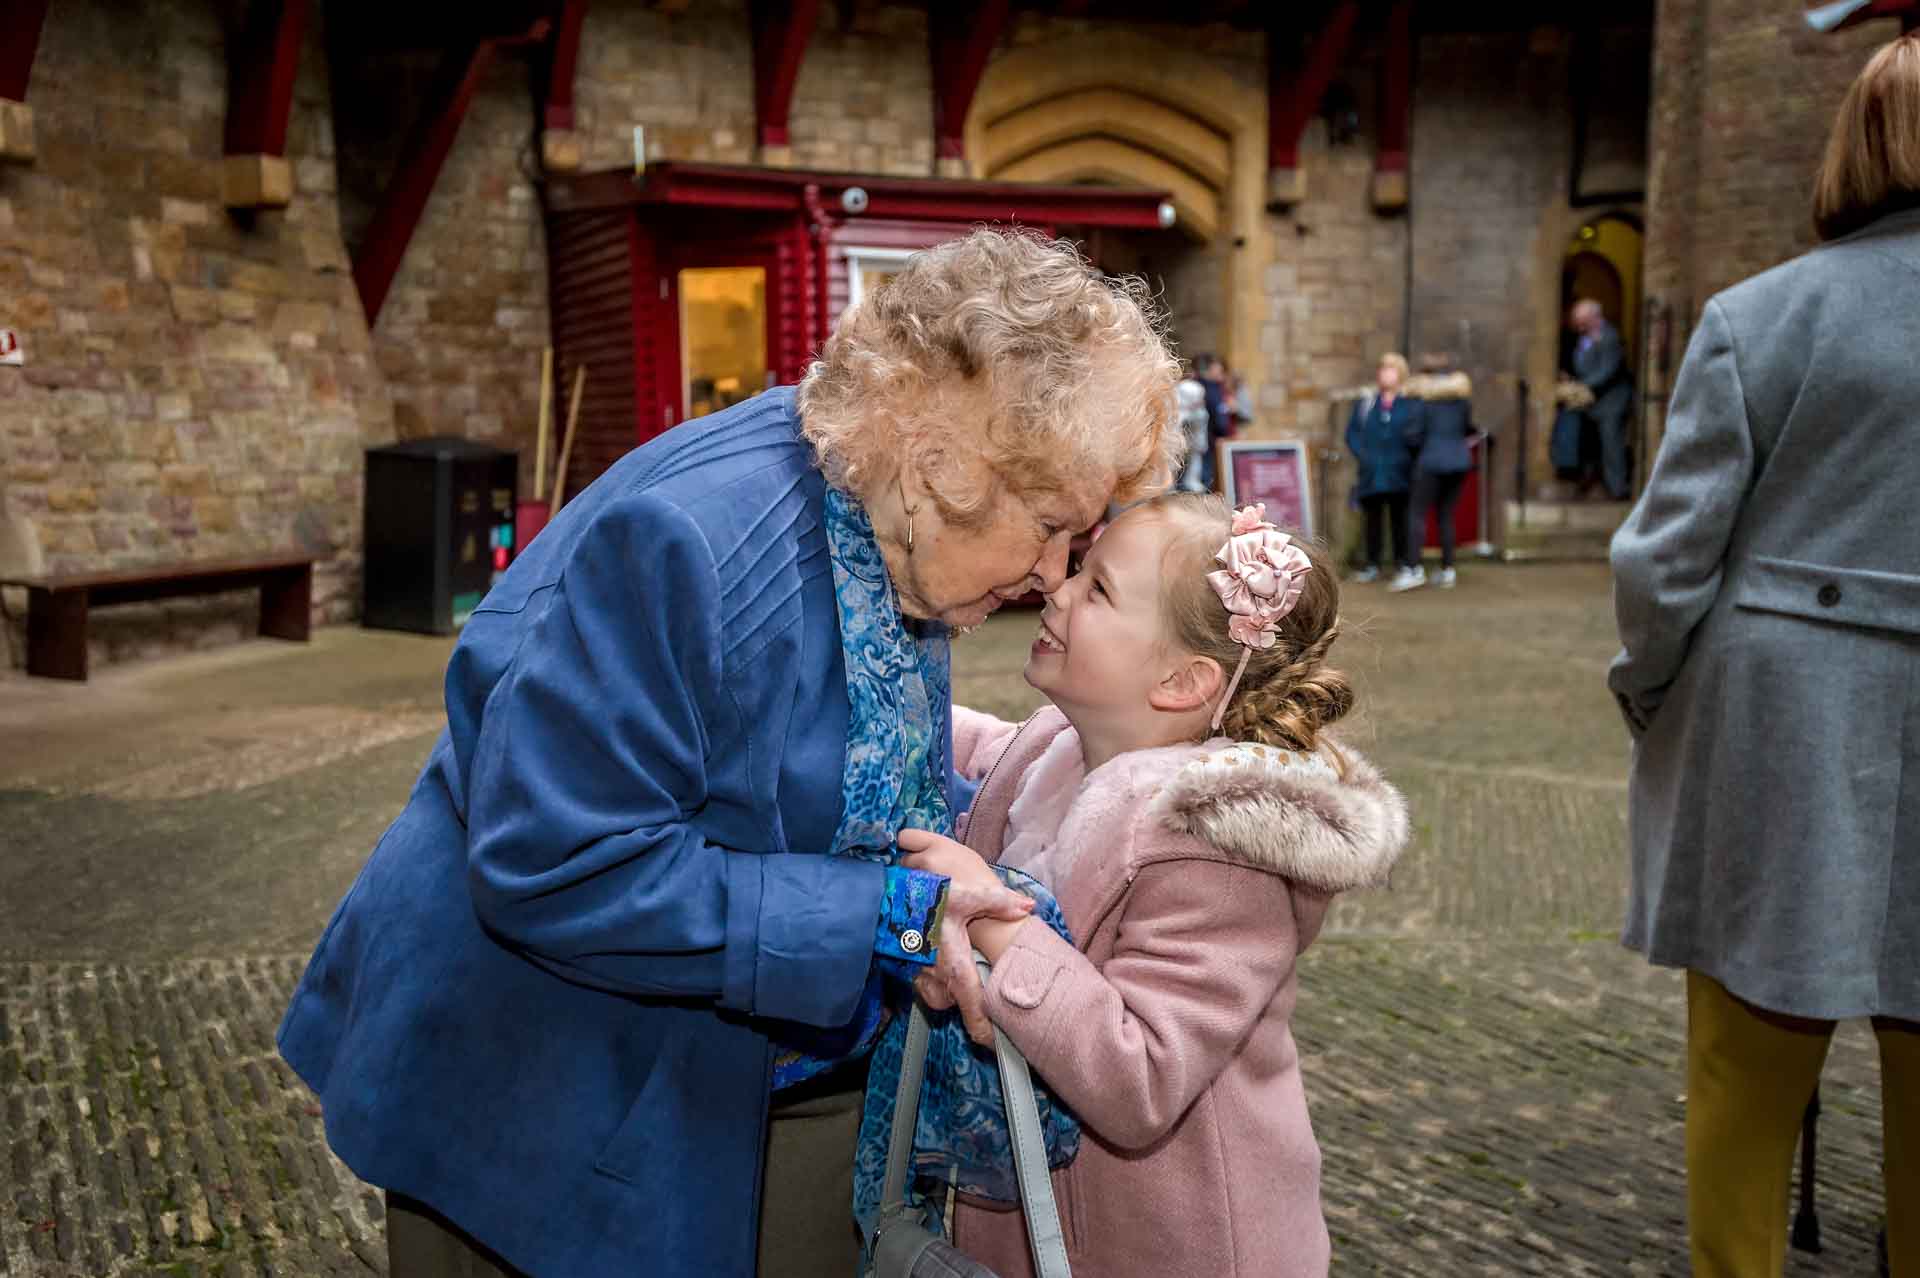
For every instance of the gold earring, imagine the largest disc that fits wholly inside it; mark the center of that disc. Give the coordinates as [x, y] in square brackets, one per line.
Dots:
[901, 481]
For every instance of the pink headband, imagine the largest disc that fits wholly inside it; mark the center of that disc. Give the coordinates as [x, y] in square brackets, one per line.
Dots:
[1260, 585]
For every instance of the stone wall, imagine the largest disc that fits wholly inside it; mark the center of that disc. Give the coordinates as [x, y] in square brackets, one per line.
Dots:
[863, 101]
[199, 385]
[460, 333]
[1334, 292]
[1491, 216]
[1744, 95]
[195, 385]
[687, 77]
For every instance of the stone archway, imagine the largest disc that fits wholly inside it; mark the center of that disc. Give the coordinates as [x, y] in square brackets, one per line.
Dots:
[1115, 106]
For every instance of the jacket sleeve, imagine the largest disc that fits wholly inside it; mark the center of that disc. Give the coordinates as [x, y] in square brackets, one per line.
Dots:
[588, 765]
[1604, 362]
[1669, 555]
[1415, 431]
[1353, 434]
[1203, 948]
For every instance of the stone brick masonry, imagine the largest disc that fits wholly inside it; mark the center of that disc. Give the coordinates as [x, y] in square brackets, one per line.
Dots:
[194, 385]
[199, 385]
[1743, 98]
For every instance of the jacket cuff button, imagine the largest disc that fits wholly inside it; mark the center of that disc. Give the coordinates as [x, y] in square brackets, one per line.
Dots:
[1829, 595]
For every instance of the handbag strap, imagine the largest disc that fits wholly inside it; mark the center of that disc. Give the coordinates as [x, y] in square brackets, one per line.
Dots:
[1044, 1235]
[906, 1113]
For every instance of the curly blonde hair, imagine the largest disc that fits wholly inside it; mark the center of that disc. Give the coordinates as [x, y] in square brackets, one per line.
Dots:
[1289, 695]
[1074, 367]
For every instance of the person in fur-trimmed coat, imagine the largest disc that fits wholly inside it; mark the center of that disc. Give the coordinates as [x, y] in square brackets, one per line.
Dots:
[1194, 824]
[1445, 459]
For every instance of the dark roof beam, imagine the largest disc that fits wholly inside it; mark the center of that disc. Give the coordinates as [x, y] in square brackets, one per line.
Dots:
[961, 38]
[559, 146]
[385, 244]
[781, 29]
[20, 24]
[263, 59]
[1391, 146]
[1294, 93]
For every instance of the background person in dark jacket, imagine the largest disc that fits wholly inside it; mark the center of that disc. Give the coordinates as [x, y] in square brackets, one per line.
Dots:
[1600, 362]
[1384, 437]
[1440, 470]
[1212, 371]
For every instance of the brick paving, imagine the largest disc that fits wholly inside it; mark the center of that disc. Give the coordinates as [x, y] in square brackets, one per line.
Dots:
[1496, 1085]
[151, 1128]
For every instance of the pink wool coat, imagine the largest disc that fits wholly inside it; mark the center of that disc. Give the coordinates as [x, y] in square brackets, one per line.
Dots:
[1197, 875]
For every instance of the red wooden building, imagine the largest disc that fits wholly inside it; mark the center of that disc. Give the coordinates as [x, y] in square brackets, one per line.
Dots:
[689, 287]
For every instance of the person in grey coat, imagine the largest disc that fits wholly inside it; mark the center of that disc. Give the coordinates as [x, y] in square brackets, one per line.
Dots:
[1767, 589]
[1600, 363]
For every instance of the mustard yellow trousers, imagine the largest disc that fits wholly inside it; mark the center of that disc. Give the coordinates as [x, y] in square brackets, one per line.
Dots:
[1750, 1074]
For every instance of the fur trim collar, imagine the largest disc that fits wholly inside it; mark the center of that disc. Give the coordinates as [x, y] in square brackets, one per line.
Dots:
[1440, 386]
[1291, 814]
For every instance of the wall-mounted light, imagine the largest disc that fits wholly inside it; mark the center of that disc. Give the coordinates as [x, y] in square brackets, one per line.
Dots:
[1167, 215]
[854, 199]
[1341, 110]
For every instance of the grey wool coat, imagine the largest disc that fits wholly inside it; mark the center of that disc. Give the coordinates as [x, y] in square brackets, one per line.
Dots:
[1767, 588]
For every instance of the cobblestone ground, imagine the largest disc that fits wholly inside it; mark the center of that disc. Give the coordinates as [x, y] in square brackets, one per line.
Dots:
[1496, 1085]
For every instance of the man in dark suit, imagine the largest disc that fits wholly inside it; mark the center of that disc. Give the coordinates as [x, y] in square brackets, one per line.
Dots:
[1600, 362]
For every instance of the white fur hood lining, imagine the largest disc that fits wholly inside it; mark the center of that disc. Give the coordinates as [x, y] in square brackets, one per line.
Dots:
[1291, 814]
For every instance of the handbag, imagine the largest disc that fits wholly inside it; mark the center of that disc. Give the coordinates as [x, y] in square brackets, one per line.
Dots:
[905, 1248]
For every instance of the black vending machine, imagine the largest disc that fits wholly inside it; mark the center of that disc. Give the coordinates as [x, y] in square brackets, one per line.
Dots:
[439, 531]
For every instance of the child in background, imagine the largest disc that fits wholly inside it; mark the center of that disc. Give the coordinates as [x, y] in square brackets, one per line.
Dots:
[1182, 803]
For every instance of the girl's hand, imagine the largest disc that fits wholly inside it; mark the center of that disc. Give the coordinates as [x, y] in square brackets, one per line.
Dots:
[974, 893]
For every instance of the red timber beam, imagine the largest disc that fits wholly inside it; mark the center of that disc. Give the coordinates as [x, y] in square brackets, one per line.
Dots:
[781, 29]
[1293, 97]
[452, 90]
[1396, 96]
[263, 58]
[559, 145]
[961, 38]
[20, 24]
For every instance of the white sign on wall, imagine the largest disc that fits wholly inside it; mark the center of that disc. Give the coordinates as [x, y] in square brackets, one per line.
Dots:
[10, 352]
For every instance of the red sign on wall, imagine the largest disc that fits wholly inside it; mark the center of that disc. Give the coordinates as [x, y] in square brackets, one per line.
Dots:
[1273, 471]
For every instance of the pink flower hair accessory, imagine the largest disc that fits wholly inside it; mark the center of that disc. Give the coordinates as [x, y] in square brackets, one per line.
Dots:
[1260, 582]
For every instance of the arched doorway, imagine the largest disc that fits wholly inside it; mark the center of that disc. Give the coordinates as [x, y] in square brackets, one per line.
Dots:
[1116, 108]
[1602, 262]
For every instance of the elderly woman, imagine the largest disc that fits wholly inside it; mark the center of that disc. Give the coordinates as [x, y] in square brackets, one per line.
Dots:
[642, 905]
[1768, 592]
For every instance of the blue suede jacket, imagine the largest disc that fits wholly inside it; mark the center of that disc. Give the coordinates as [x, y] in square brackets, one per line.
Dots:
[545, 1006]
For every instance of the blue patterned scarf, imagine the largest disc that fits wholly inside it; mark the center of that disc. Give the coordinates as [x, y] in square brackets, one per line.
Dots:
[898, 686]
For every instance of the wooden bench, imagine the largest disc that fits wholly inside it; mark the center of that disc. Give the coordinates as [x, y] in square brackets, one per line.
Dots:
[57, 604]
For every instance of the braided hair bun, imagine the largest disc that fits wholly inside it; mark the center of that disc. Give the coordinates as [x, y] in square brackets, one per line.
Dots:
[1289, 695]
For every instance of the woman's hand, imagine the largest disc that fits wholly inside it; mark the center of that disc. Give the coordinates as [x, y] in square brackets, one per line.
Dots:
[977, 903]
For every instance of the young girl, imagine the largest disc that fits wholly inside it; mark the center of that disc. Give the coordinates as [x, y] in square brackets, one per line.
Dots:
[1181, 802]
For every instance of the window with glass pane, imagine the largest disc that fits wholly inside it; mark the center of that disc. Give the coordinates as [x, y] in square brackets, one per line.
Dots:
[869, 268]
[723, 336]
